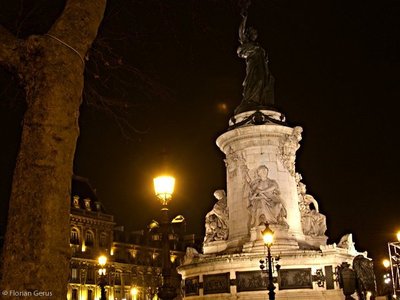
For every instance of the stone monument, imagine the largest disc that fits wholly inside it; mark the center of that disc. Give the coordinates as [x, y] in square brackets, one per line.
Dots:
[263, 185]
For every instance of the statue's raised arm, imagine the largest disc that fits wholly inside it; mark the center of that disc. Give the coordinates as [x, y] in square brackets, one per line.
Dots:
[242, 27]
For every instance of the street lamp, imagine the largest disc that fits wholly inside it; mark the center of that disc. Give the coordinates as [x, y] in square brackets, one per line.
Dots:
[164, 188]
[102, 260]
[268, 237]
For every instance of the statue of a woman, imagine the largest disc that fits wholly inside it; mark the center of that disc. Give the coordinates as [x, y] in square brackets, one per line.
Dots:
[217, 219]
[265, 204]
[312, 221]
[258, 86]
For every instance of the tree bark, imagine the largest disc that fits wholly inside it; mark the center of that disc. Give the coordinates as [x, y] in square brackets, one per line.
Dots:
[36, 250]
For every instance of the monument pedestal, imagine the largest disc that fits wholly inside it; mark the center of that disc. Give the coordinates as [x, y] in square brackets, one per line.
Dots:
[304, 274]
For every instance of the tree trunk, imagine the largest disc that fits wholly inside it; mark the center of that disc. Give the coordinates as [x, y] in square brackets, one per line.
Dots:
[36, 249]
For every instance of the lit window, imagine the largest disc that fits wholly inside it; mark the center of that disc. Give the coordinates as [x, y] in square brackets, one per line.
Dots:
[74, 236]
[74, 273]
[89, 239]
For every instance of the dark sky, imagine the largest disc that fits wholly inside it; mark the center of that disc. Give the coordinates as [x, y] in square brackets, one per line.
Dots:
[336, 65]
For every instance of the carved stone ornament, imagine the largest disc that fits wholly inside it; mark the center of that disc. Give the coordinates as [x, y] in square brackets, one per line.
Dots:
[233, 162]
[76, 201]
[346, 242]
[190, 255]
[312, 221]
[263, 196]
[216, 222]
[288, 147]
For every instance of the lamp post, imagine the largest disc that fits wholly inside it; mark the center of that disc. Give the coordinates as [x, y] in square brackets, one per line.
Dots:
[164, 188]
[268, 237]
[102, 260]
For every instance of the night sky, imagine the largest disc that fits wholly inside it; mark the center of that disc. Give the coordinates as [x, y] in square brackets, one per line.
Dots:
[172, 65]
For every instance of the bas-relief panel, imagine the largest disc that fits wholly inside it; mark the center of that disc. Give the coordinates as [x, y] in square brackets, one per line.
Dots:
[295, 279]
[216, 283]
[192, 286]
[251, 281]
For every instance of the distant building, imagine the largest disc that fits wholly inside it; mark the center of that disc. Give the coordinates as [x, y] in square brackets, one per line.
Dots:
[134, 258]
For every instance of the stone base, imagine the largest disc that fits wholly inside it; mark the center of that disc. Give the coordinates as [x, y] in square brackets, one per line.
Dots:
[283, 240]
[314, 242]
[238, 276]
[214, 247]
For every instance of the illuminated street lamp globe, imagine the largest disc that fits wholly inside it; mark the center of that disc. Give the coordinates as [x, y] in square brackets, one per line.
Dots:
[386, 263]
[268, 236]
[102, 260]
[398, 236]
[164, 188]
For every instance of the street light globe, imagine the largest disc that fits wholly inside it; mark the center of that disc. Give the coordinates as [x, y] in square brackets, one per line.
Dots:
[268, 236]
[398, 235]
[102, 260]
[386, 263]
[134, 291]
[164, 188]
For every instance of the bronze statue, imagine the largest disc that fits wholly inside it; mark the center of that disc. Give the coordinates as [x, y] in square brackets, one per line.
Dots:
[258, 86]
[365, 277]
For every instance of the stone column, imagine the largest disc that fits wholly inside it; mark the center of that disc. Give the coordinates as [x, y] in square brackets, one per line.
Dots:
[248, 147]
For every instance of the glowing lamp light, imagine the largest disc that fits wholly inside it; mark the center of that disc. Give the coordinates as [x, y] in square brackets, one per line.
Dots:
[173, 257]
[102, 260]
[102, 271]
[386, 263]
[398, 235]
[134, 291]
[268, 236]
[386, 278]
[164, 188]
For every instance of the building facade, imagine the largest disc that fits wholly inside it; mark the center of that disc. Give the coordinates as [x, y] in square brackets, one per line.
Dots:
[133, 269]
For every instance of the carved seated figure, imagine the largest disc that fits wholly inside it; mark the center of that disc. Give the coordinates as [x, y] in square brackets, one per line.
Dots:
[312, 221]
[217, 219]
